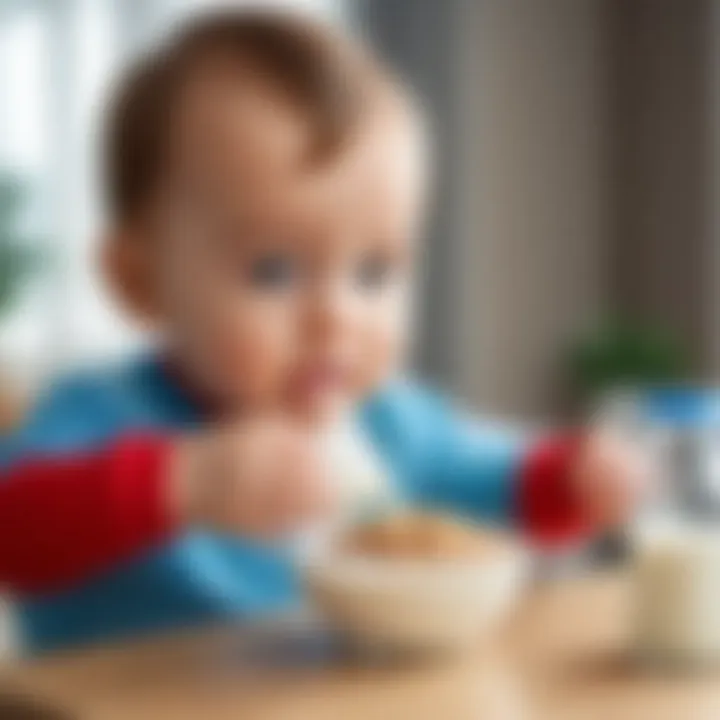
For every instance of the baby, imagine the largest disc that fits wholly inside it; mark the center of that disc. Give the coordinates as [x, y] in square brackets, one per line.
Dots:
[266, 184]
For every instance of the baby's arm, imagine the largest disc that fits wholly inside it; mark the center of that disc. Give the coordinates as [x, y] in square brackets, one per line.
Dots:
[68, 517]
[553, 488]
[77, 495]
[493, 473]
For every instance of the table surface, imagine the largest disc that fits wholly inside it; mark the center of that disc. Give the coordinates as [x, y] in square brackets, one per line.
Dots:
[563, 656]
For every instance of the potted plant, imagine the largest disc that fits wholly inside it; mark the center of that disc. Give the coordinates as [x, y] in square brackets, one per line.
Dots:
[18, 257]
[621, 355]
[16, 254]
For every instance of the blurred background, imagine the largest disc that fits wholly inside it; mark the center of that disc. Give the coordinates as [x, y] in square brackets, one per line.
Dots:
[574, 243]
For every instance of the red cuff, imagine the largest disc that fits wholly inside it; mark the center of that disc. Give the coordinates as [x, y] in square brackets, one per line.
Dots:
[548, 506]
[66, 518]
[137, 493]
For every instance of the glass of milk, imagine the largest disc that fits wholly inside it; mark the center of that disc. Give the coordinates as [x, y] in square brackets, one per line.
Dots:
[675, 542]
[676, 575]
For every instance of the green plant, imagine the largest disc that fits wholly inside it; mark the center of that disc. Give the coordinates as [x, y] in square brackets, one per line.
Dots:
[626, 354]
[17, 258]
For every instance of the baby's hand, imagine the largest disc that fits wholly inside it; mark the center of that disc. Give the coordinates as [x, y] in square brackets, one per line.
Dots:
[611, 478]
[261, 478]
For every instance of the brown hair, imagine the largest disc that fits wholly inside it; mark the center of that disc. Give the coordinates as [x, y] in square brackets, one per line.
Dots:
[325, 78]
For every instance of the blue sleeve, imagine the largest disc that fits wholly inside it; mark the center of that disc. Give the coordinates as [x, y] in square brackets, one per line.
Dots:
[445, 458]
[74, 415]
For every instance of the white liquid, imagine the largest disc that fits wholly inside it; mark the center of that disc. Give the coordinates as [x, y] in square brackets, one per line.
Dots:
[354, 465]
[677, 585]
[362, 481]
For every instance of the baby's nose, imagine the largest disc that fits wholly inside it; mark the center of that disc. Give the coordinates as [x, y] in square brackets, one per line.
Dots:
[332, 310]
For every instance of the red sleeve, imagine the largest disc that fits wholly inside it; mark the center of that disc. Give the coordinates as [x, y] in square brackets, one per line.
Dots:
[549, 508]
[66, 518]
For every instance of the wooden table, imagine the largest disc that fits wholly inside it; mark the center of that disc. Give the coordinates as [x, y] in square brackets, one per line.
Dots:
[565, 657]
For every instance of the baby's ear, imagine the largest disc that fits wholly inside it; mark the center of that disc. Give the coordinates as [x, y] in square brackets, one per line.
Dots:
[126, 260]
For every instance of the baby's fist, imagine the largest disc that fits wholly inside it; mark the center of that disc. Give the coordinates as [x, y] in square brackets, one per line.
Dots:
[261, 478]
[611, 477]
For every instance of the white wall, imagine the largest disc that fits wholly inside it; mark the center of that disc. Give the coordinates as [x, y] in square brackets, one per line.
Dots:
[534, 203]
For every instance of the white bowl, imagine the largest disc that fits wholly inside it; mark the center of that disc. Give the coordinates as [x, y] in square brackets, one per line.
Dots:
[415, 605]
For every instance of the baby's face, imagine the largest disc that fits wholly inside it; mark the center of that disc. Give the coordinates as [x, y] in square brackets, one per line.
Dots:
[283, 285]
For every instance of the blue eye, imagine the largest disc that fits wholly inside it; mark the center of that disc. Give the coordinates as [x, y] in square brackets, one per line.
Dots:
[374, 272]
[274, 272]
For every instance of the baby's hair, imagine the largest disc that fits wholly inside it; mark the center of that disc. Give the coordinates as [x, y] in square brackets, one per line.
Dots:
[324, 77]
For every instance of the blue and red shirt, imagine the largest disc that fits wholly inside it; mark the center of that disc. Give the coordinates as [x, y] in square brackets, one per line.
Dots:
[90, 550]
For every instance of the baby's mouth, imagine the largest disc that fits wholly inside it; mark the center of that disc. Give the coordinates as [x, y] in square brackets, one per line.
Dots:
[321, 382]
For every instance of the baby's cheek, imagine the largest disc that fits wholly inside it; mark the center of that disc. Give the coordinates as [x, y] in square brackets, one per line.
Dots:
[385, 346]
[255, 347]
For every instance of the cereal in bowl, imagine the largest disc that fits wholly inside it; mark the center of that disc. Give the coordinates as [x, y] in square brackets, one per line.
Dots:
[416, 535]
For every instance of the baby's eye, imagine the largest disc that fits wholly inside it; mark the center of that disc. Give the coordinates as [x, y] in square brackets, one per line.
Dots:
[274, 272]
[374, 272]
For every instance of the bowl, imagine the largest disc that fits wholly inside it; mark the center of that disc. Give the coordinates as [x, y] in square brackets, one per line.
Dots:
[415, 604]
